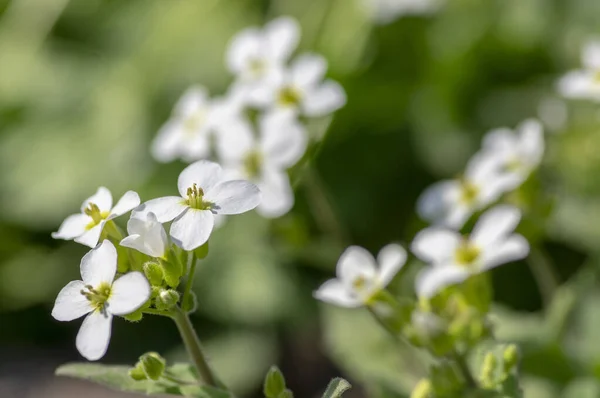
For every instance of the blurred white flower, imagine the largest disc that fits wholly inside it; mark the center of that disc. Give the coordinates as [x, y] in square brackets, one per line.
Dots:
[86, 227]
[204, 193]
[186, 135]
[146, 235]
[386, 11]
[521, 150]
[301, 89]
[255, 54]
[451, 202]
[584, 83]
[360, 277]
[453, 258]
[263, 158]
[100, 296]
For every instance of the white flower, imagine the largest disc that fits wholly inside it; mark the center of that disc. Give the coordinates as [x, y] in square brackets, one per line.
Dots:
[454, 258]
[521, 150]
[100, 296]
[204, 193]
[186, 135]
[386, 11]
[147, 236]
[85, 228]
[301, 89]
[451, 202]
[264, 158]
[256, 54]
[584, 83]
[360, 277]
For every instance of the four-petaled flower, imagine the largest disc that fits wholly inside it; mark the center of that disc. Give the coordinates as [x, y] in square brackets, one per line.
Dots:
[453, 258]
[96, 211]
[146, 235]
[360, 277]
[204, 193]
[101, 296]
[386, 11]
[584, 83]
[264, 158]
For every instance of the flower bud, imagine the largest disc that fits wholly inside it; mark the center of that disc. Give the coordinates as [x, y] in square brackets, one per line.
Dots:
[511, 357]
[135, 316]
[155, 291]
[422, 389]
[172, 272]
[274, 383]
[191, 303]
[167, 299]
[153, 365]
[154, 273]
[488, 370]
[137, 373]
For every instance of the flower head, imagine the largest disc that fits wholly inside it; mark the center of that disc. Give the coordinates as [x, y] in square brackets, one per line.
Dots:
[147, 236]
[264, 158]
[85, 228]
[386, 11]
[451, 202]
[301, 89]
[360, 277]
[100, 296]
[584, 83]
[521, 150]
[203, 193]
[453, 258]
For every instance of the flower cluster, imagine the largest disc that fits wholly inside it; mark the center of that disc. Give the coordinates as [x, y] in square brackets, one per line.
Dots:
[256, 129]
[584, 83]
[386, 11]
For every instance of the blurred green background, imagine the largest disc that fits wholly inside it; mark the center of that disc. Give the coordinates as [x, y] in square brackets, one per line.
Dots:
[85, 85]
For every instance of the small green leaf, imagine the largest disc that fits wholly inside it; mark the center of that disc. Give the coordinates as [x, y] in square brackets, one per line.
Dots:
[336, 388]
[274, 383]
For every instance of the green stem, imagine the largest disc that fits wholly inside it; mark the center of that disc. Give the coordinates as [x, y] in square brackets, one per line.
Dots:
[544, 274]
[193, 346]
[464, 369]
[190, 278]
[152, 311]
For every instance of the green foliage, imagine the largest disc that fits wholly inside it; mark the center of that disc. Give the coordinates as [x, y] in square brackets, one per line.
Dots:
[274, 385]
[336, 388]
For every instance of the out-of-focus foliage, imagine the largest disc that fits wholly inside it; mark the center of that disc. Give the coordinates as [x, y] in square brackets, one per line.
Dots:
[84, 86]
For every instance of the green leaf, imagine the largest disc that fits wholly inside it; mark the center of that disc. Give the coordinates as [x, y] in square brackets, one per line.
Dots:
[336, 388]
[274, 383]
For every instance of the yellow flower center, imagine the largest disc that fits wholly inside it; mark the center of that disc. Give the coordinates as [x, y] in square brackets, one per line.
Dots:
[257, 67]
[253, 163]
[97, 296]
[194, 122]
[195, 198]
[469, 193]
[289, 96]
[97, 216]
[467, 253]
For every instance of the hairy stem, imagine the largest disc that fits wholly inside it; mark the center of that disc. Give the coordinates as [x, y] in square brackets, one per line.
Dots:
[193, 346]
[190, 278]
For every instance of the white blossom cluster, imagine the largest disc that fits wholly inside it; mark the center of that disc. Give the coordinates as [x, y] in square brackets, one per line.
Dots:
[505, 161]
[387, 11]
[279, 92]
[584, 83]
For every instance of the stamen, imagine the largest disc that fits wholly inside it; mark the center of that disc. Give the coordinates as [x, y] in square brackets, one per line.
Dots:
[469, 192]
[467, 253]
[195, 198]
[289, 96]
[97, 297]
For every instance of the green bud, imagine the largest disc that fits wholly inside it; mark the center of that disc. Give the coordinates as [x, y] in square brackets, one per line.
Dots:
[172, 272]
[137, 373]
[153, 365]
[154, 273]
[155, 291]
[488, 370]
[511, 357]
[286, 394]
[423, 389]
[191, 303]
[274, 383]
[167, 299]
[202, 251]
[135, 316]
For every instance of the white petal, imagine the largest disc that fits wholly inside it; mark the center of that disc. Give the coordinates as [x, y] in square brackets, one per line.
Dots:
[70, 303]
[203, 173]
[532, 141]
[308, 70]
[243, 47]
[165, 209]
[283, 139]
[94, 335]
[235, 141]
[326, 98]
[484, 166]
[578, 84]
[435, 244]
[355, 261]
[391, 258]
[91, 237]
[515, 247]
[495, 224]
[501, 139]
[102, 198]
[334, 292]
[99, 265]
[193, 100]
[128, 293]
[166, 145]
[277, 195]
[233, 197]
[591, 55]
[433, 279]
[192, 229]
[73, 226]
[147, 236]
[437, 201]
[282, 35]
[128, 202]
